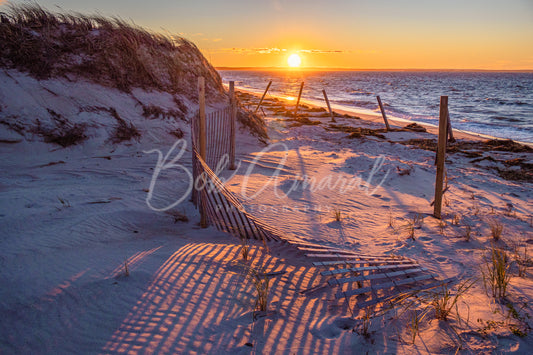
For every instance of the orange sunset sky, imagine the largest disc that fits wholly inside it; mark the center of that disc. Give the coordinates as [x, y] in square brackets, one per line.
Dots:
[373, 34]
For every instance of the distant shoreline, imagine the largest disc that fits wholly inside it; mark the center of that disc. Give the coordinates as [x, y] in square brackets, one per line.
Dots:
[377, 70]
[396, 121]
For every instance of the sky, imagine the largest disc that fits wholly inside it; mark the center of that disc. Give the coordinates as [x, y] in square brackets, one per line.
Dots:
[360, 34]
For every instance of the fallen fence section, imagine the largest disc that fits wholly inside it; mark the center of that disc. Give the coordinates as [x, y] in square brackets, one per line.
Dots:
[380, 278]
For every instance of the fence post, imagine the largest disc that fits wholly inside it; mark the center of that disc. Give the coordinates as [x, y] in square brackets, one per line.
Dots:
[449, 128]
[298, 101]
[329, 107]
[263, 97]
[441, 155]
[202, 138]
[383, 113]
[233, 119]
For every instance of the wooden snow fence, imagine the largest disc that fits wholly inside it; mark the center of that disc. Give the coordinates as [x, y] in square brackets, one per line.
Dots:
[373, 279]
[221, 206]
[224, 210]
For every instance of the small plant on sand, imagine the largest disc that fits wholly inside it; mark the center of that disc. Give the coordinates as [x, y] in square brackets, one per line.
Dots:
[522, 259]
[496, 274]
[444, 300]
[414, 325]
[508, 211]
[475, 208]
[245, 248]
[456, 219]
[418, 220]
[337, 214]
[415, 222]
[364, 326]
[517, 321]
[392, 223]
[468, 232]
[442, 226]
[411, 230]
[261, 283]
[521, 327]
[496, 229]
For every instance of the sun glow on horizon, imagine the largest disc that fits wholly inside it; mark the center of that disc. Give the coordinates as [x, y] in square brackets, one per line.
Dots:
[294, 60]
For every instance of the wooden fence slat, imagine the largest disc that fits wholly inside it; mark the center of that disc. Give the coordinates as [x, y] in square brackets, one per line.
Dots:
[366, 268]
[336, 282]
[382, 286]
[359, 262]
[342, 251]
[346, 257]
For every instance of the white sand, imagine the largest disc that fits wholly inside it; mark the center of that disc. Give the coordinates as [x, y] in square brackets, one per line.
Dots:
[68, 227]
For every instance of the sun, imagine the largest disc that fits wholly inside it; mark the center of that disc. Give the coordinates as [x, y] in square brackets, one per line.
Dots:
[294, 61]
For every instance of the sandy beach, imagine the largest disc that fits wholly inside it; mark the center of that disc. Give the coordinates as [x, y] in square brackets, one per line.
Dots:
[88, 267]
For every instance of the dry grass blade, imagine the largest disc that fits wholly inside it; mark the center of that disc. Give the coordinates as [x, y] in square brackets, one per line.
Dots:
[261, 283]
[245, 248]
[496, 273]
[337, 215]
[444, 299]
[496, 229]
[522, 260]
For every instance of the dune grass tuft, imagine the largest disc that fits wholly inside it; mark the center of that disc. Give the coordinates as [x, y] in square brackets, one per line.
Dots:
[108, 51]
[496, 274]
[261, 283]
[496, 229]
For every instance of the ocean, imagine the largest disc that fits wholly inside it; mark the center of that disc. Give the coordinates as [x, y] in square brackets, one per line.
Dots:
[498, 104]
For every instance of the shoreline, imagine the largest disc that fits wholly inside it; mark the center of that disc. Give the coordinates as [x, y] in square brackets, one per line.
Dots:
[395, 122]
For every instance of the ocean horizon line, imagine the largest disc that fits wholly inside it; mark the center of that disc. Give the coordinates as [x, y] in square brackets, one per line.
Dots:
[374, 69]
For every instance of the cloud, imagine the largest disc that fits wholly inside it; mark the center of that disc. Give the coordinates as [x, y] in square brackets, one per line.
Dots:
[321, 51]
[284, 51]
[281, 50]
[336, 51]
[254, 50]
